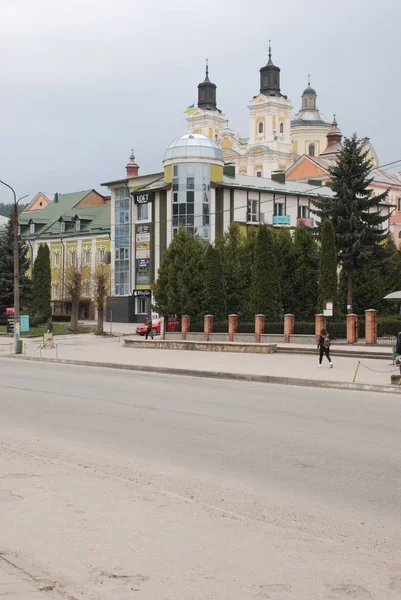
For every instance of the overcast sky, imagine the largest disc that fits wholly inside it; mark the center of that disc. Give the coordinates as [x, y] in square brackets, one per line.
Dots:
[84, 81]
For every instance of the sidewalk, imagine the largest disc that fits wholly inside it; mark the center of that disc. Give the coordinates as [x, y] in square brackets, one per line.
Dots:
[89, 349]
[17, 585]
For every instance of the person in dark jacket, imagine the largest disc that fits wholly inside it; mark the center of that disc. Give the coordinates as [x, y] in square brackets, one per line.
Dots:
[398, 350]
[149, 328]
[323, 345]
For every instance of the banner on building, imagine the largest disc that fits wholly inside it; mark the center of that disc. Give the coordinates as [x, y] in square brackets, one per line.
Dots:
[142, 255]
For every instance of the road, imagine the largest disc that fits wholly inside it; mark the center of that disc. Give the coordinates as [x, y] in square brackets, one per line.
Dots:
[126, 485]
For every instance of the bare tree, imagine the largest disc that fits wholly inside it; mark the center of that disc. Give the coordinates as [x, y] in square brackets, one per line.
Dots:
[101, 290]
[73, 289]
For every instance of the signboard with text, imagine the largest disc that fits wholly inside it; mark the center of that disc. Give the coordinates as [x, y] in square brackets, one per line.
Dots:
[10, 320]
[328, 309]
[142, 254]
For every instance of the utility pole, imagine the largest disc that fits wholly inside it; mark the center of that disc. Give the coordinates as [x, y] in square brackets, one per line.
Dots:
[16, 264]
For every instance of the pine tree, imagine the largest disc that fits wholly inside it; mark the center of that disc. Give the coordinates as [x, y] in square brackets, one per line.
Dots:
[215, 289]
[236, 269]
[265, 285]
[353, 210]
[305, 272]
[41, 305]
[286, 267]
[328, 267]
[7, 270]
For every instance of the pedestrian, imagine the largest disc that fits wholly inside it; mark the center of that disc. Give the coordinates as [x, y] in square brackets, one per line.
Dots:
[398, 350]
[323, 345]
[149, 329]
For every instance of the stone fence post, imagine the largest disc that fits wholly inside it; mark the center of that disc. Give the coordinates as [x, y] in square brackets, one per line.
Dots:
[371, 326]
[232, 326]
[320, 323]
[259, 327]
[185, 326]
[352, 328]
[207, 327]
[289, 326]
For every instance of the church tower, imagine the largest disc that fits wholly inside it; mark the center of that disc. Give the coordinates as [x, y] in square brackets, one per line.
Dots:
[309, 128]
[207, 119]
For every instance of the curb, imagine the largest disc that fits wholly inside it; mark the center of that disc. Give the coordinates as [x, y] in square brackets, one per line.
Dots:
[337, 352]
[292, 381]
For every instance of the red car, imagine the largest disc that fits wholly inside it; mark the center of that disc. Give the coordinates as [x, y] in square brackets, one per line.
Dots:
[172, 325]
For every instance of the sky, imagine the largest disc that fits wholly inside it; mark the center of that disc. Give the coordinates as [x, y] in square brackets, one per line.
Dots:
[84, 81]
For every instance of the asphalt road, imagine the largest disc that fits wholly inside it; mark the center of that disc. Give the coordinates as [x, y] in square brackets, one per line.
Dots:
[120, 485]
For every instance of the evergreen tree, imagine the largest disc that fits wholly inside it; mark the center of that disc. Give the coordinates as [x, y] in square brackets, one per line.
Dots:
[286, 267]
[328, 267]
[265, 285]
[7, 270]
[180, 282]
[236, 269]
[41, 305]
[215, 289]
[353, 210]
[305, 272]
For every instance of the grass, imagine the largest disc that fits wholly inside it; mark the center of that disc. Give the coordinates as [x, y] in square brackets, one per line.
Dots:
[58, 329]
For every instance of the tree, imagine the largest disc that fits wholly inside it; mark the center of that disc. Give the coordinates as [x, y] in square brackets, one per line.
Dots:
[215, 288]
[179, 287]
[265, 285]
[305, 272]
[41, 286]
[7, 270]
[286, 264]
[73, 288]
[353, 210]
[328, 267]
[101, 289]
[236, 267]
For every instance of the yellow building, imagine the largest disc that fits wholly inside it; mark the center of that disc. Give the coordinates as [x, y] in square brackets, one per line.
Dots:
[76, 227]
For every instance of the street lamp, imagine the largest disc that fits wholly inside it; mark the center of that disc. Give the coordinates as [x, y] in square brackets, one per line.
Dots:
[16, 263]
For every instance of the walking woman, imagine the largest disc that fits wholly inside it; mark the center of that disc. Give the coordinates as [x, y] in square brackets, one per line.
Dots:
[323, 345]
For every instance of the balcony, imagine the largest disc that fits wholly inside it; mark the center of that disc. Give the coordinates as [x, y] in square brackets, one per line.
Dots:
[282, 220]
[308, 222]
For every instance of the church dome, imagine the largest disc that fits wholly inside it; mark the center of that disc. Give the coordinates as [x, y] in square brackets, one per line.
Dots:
[309, 90]
[193, 145]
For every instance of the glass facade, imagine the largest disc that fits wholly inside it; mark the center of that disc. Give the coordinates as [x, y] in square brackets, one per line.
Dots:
[191, 199]
[122, 233]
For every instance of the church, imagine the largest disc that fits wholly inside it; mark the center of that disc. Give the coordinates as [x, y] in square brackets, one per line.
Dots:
[276, 140]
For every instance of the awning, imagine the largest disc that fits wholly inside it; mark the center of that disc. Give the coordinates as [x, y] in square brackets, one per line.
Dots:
[393, 296]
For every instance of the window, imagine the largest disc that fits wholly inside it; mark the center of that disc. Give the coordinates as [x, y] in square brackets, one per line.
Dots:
[311, 150]
[142, 212]
[19, 229]
[141, 306]
[175, 171]
[56, 290]
[303, 212]
[102, 253]
[87, 257]
[62, 226]
[258, 173]
[32, 228]
[278, 209]
[85, 288]
[122, 233]
[56, 260]
[77, 225]
[281, 127]
[260, 127]
[253, 211]
[399, 203]
[73, 258]
[191, 200]
[399, 234]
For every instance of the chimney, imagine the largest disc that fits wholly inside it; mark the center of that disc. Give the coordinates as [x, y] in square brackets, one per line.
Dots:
[278, 176]
[56, 197]
[132, 168]
[229, 170]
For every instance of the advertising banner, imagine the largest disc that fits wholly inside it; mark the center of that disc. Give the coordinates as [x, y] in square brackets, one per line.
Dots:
[142, 254]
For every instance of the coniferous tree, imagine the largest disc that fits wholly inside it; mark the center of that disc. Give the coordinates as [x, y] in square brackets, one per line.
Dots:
[41, 288]
[265, 285]
[286, 267]
[305, 272]
[7, 270]
[353, 210]
[215, 289]
[236, 269]
[328, 267]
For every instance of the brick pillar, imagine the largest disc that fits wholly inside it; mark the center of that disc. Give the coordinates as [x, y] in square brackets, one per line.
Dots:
[320, 323]
[371, 326]
[259, 327]
[289, 325]
[207, 326]
[185, 326]
[232, 326]
[352, 329]
[163, 322]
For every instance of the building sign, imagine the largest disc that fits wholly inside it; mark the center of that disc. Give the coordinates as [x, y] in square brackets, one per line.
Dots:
[142, 254]
[10, 320]
[142, 293]
[142, 198]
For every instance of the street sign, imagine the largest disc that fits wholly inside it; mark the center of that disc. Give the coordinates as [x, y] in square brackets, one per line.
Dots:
[10, 320]
[142, 293]
[24, 320]
[328, 308]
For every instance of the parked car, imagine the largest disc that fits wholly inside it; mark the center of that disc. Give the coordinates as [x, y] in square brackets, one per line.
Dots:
[172, 325]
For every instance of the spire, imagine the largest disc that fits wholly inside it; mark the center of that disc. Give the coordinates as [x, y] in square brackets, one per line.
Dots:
[207, 92]
[270, 77]
[309, 97]
[333, 141]
[308, 79]
[132, 168]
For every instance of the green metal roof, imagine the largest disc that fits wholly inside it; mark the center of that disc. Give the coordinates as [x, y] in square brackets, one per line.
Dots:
[247, 182]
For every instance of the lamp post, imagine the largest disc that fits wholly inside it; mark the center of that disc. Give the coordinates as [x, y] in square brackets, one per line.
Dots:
[16, 264]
